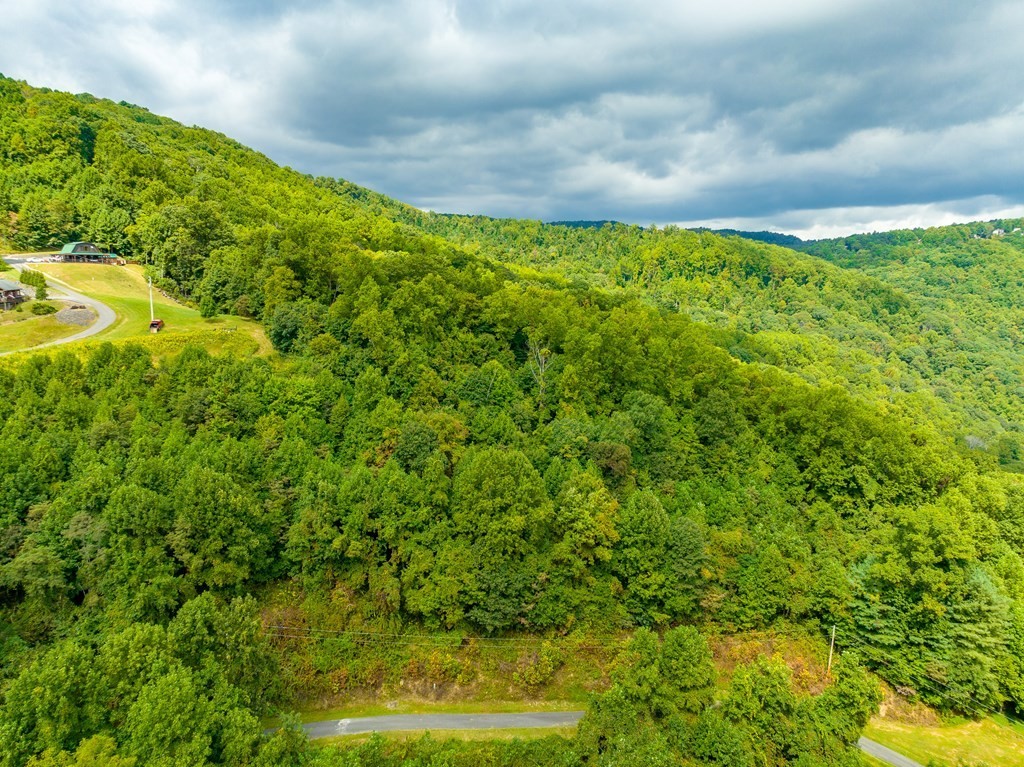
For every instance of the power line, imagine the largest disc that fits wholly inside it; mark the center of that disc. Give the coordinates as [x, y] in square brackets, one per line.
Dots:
[387, 639]
[400, 635]
[849, 637]
[867, 645]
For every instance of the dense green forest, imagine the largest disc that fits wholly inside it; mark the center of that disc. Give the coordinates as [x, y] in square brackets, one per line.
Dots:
[483, 430]
[936, 333]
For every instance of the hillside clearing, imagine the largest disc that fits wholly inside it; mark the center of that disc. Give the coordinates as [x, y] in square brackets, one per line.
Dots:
[125, 290]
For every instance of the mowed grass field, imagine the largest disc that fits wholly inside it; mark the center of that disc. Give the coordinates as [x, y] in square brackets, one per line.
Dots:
[984, 742]
[21, 330]
[124, 289]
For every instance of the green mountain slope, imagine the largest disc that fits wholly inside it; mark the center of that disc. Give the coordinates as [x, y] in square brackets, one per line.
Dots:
[227, 228]
[470, 439]
[213, 217]
[967, 281]
[938, 340]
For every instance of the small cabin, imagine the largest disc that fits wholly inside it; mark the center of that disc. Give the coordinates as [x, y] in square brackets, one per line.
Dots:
[11, 294]
[86, 252]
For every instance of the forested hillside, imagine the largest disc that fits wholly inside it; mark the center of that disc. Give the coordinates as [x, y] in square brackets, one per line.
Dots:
[937, 335]
[969, 282]
[218, 221]
[476, 431]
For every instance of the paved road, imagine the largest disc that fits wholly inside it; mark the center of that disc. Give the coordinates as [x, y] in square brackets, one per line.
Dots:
[355, 726]
[879, 751]
[105, 316]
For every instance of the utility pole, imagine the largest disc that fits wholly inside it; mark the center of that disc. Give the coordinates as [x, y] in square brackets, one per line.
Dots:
[831, 649]
[151, 315]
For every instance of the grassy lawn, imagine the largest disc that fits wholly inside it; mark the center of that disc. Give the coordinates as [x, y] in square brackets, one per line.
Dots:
[23, 330]
[124, 289]
[870, 761]
[987, 742]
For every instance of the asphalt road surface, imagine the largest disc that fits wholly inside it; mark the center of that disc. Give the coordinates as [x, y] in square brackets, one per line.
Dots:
[879, 751]
[360, 725]
[397, 722]
[105, 316]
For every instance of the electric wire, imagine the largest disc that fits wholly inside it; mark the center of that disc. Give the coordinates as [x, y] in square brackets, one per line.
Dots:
[390, 639]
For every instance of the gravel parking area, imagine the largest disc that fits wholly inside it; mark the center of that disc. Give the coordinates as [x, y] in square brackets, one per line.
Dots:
[82, 317]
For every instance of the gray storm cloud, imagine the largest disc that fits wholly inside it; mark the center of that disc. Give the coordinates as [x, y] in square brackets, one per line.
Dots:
[659, 111]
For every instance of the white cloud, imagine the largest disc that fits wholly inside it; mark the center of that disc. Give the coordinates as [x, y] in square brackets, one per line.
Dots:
[819, 224]
[663, 111]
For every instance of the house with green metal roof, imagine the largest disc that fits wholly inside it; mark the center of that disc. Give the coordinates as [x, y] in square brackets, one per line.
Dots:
[86, 251]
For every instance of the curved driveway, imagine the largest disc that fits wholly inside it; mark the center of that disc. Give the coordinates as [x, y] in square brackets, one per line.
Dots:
[105, 316]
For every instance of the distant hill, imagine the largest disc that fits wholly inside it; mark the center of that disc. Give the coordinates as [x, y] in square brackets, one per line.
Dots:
[773, 238]
[585, 224]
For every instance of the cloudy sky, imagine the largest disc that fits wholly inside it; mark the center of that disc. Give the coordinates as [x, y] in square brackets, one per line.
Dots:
[804, 116]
